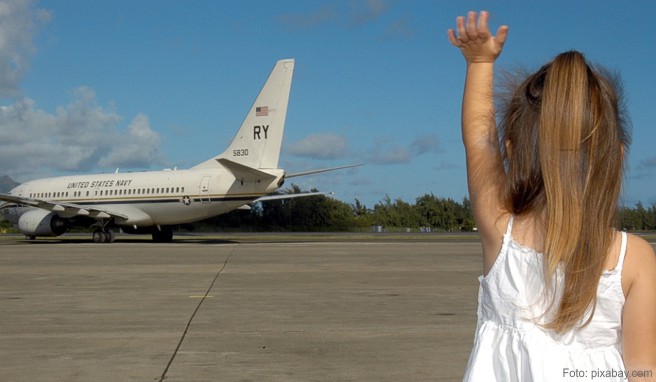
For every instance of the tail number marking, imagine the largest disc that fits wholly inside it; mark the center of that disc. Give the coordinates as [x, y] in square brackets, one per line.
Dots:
[240, 153]
[258, 131]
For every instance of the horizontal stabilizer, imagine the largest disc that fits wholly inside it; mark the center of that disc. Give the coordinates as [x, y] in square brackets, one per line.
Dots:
[290, 196]
[243, 172]
[321, 170]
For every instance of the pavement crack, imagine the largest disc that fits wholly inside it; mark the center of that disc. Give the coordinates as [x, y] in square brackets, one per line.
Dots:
[191, 318]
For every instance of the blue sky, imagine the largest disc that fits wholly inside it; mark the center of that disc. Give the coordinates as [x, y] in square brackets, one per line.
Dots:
[89, 86]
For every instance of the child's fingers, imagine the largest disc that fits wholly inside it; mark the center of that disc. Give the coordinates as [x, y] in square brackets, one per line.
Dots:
[471, 29]
[502, 34]
[453, 39]
[460, 25]
[483, 29]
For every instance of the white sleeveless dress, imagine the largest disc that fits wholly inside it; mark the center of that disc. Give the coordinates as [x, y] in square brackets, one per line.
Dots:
[510, 345]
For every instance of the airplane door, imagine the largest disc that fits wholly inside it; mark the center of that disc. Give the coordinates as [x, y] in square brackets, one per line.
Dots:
[205, 189]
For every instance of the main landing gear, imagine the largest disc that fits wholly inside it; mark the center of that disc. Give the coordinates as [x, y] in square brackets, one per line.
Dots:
[162, 234]
[103, 236]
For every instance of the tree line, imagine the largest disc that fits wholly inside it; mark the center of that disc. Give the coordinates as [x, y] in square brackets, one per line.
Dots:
[323, 213]
[638, 218]
[428, 213]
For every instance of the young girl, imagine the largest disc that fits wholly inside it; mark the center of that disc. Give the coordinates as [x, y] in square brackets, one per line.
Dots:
[564, 296]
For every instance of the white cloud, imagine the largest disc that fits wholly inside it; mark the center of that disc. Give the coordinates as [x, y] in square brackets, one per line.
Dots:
[426, 143]
[320, 146]
[367, 10]
[19, 22]
[400, 28]
[390, 155]
[325, 14]
[444, 165]
[648, 163]
[78, 137]
[140, 147]
[385, 150]
[354, 14]
[389, 151]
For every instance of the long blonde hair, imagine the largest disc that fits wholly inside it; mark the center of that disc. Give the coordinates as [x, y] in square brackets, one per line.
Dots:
[566, 135]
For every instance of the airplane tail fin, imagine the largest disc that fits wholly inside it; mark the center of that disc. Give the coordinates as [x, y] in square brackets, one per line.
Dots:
[258, 141]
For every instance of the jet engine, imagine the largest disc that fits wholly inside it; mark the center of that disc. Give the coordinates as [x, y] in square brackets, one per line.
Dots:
[41, 223]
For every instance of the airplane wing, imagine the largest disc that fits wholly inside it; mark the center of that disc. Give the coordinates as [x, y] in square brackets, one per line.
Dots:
[65, 210]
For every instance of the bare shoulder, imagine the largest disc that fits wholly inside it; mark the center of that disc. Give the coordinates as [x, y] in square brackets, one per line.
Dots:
[639, 312]
[640, 263]
[640, 250]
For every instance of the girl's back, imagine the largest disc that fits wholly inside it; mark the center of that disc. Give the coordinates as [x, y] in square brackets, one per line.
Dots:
[512, 343]
[571, 299]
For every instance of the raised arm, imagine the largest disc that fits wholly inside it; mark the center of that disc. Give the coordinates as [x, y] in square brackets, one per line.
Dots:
[479, 132]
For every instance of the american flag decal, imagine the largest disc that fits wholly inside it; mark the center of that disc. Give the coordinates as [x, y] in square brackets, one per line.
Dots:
[261, 111]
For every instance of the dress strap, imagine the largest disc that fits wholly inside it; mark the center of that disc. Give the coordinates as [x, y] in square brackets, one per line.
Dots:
[510, 223]
[620, 262]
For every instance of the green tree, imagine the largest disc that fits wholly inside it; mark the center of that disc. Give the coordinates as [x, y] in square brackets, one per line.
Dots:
[362, 216]
[399, 214]
[5, 226]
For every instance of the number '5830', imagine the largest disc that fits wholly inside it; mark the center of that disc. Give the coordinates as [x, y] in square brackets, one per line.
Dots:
[240, 153]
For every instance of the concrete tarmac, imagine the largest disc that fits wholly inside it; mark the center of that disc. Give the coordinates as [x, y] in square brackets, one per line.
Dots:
[238, 310]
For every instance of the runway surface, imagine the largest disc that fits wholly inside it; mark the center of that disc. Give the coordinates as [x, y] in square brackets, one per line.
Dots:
[237, 310]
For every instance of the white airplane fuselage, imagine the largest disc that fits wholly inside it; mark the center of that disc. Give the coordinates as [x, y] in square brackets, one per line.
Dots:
[150, 198]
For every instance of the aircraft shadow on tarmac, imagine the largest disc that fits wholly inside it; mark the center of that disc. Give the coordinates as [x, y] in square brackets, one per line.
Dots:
[121, 239]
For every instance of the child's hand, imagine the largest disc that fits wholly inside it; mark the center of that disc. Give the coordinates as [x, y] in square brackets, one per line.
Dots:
[475, 41]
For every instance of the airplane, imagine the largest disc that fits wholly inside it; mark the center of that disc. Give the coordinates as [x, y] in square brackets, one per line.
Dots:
[151, 202]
